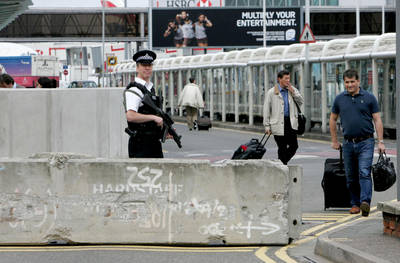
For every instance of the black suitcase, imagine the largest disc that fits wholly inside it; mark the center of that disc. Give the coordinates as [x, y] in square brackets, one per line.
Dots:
[203, 123]
[334, 184]
[254, 149]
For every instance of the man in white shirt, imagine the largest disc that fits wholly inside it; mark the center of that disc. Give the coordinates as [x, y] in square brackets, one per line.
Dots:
[144, 127]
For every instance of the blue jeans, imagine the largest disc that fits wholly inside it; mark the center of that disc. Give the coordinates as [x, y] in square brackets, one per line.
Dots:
[358, 159]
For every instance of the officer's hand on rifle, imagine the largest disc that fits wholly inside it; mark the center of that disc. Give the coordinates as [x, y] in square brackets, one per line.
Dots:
[169, 136]
[158, 120]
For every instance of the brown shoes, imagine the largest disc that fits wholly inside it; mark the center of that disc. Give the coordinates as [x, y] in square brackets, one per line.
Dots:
[354, 210]
[364, 208]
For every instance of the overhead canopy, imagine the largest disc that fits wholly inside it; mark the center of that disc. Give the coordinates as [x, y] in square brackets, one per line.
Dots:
[10, 9]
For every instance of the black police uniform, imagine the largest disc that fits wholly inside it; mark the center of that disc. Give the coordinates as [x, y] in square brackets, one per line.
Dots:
[144, 141]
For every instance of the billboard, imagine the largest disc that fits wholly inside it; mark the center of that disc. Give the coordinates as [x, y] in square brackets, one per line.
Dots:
[16, 66]
[225, 27]
[188, 3]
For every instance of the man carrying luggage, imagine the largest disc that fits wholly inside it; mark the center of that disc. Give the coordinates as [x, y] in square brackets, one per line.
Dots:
[358, 111]
[192, 100]
[280, 115]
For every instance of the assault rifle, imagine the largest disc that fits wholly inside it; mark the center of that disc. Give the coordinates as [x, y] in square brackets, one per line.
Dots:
[167, 121]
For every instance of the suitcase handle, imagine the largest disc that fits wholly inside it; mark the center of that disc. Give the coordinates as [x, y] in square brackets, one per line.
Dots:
[263, 144]
[341, 164]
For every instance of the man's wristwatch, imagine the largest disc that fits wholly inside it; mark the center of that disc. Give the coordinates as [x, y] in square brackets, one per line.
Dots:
[380, 141]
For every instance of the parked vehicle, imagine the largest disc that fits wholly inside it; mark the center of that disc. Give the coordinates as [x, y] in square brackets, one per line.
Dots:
[82, 84]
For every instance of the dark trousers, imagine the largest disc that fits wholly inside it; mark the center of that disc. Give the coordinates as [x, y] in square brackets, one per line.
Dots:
[144, 147]
[287, 144]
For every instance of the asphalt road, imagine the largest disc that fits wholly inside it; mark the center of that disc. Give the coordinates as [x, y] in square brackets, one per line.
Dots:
[215, 145]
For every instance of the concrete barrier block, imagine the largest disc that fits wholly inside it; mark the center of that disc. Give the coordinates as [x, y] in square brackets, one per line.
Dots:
[147, 201]
[88, 121]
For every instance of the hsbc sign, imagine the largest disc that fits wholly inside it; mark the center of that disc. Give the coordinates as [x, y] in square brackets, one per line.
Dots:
[188, 3]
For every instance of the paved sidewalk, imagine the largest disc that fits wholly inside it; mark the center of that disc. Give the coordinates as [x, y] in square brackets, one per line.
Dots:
[360, 242]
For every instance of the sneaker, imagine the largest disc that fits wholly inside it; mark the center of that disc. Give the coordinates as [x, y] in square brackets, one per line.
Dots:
[364, 209]
[354, 210]
[194, 125]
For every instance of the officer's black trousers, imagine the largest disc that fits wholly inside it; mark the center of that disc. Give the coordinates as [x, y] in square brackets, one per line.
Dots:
[144, 147]
[287, 144]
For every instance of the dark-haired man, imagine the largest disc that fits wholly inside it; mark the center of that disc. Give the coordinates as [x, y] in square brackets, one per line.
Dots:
[358, 110]
[6, 81]
[280, 115]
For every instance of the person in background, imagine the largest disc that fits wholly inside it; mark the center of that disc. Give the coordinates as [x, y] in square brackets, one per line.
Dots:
[191, 99]
[200, 30]
[6, 81]
[187, 29]
[54, 83]
[359, 111]
[44, 82]
[176, 31]
[280, 115]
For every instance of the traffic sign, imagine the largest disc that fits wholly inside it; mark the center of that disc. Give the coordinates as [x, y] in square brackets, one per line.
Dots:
[65, 72]
[307, 35]
[65, 66]
[112, 61]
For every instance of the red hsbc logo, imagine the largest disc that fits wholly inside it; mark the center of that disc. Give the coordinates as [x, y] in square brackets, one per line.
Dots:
[204, 3]
[112, 3]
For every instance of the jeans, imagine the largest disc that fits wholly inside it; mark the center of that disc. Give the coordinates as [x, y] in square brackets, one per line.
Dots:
[358, 159]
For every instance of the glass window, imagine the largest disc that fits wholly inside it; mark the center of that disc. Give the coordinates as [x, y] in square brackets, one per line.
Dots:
[314, 2]
[256, 3]
[230, 2]
[332, 2]
[278, 3]
[293, 2]
[72, 25]
[242, 2]
[333, 23]
[370, 23]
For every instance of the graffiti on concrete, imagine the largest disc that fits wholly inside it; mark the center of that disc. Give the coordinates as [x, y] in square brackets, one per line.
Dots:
[146, 180]
[148, 199]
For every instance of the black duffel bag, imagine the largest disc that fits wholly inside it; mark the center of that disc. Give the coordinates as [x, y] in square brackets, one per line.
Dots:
[301, 118]
[383, 173]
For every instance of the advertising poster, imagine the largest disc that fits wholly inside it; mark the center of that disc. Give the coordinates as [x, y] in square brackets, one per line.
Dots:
[220, 27]
[16, 66]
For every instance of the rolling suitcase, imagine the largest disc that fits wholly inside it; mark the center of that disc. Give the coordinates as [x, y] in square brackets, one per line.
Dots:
[254, 149]
[334, 184]
[203, 123]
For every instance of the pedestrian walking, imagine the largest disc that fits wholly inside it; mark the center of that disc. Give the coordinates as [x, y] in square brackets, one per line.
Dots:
[358, 111]
[192, 100]
[280, 115]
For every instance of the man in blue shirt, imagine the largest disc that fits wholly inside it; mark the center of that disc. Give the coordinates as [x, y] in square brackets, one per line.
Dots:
[357, 109]
[280, 115]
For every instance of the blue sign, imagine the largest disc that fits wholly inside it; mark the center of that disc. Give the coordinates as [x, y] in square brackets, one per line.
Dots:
[65, 66]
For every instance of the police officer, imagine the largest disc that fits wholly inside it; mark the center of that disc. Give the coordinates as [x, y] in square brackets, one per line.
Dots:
[144, 127]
